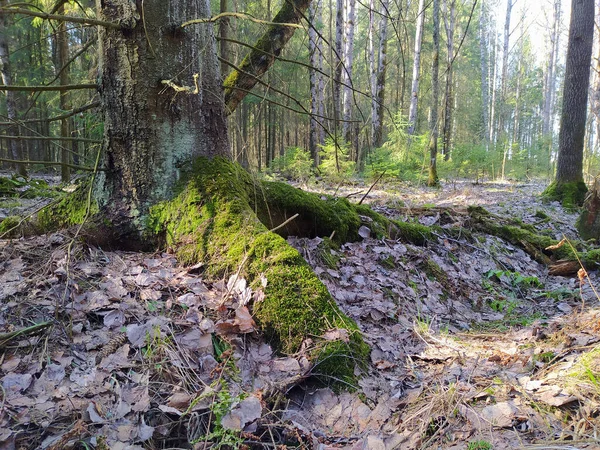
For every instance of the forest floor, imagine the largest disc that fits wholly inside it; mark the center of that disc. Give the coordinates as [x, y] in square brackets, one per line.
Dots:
[474, 346]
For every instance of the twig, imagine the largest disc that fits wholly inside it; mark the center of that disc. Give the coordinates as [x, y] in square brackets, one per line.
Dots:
[60, 17]
[284, 223]
[372, 186]
[48, 163]
[5, 338]
[64, 87]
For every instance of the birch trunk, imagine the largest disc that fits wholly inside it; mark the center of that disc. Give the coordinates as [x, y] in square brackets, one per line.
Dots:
[414, 99]
[449, 23]
[433, 176]
[62, 66]
[377, 107]
[347, 74]
[483, 52]
[316, 132]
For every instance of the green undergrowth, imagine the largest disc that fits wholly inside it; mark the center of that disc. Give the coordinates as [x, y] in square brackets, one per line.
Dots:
[212, 219]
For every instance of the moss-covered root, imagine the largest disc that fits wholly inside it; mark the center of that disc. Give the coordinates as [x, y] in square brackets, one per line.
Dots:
[570, 195]
[324, 216]
[211, 220]
[534, 244]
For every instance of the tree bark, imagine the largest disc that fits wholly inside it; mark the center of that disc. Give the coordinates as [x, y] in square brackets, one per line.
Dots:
[483, 52]
[155, 120]
[449, 22]
[317, 85]
[64, 70]
[575, 93]
[414, 99]
[11, 102]
[378, 100]
[347, 75]
[435, 88]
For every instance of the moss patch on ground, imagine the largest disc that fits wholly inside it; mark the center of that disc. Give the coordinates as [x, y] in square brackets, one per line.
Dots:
[570, 195]
[68, 211]
[211, 219]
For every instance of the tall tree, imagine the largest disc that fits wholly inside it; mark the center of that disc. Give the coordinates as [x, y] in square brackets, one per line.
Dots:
[63, 68]
[449, 25]
[378, 100]
[317, 84]
[483, 52]
[435, 89]
[568, 185]
[414, 98]
[347, 74]
[11, 101]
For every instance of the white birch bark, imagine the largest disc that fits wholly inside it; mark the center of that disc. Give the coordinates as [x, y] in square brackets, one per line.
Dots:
[347, 73]
[414, 99]
[317, 84]
[378, 99]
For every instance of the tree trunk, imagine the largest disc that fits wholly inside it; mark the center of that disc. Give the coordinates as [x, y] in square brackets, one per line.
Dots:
[435, 88]
[569, 169]
[317, 85]
[347, 75]
[414, 99]
[380, 75]
[62, 66]
[483, 52]
[224, 35]
[449, 22]
[151, 131]
[11, 102]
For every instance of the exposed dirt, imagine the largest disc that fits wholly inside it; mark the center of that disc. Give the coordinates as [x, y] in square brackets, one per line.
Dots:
[472, 343]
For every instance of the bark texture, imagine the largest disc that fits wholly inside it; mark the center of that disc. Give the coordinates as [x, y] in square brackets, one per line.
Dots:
[155, 120]
[435, 88]
[569, 166]
[11, 103]
[380, 76]
[414, 99]
[317, 84]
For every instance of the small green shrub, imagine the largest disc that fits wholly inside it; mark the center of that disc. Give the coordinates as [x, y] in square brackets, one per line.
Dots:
[294, 164]
[479, 445]
[336, 165]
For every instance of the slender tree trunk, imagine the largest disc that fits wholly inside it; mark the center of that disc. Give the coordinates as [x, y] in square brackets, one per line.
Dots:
[569, 167]
[435, 87]
[414, 99]
[380, 78]
[550, 73]
[347, 75]
[224, 35]
[11, 101]
[503, 107]
[62, 47]
[483, 52]
[338, 63]
[316, 133]
[151, 131]
[449, 22]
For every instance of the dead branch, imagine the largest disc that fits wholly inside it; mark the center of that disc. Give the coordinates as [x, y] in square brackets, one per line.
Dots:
[66, 87]
[60, 18]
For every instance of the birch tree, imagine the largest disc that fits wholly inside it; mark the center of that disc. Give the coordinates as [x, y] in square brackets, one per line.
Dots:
[317, 84]
[449, 25]
[377, 102]
[414, 98]
[433, 176]
[347, 73]
[483, 53]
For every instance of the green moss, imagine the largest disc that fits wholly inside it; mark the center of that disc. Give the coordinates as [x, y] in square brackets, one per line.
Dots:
[70, 210]
[10, 226]
[327, 253]
[211, 219]
[388, 262]
[570, 195]
[434, 271]
[541, 215]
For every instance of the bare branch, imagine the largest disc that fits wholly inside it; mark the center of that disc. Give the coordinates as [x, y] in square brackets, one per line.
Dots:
[67, 87]
[49, 138]
[47, 163]
[55, 118]
[239, 16]
[59, 17]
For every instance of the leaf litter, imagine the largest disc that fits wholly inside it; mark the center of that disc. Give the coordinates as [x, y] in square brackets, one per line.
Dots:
[470, 340]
